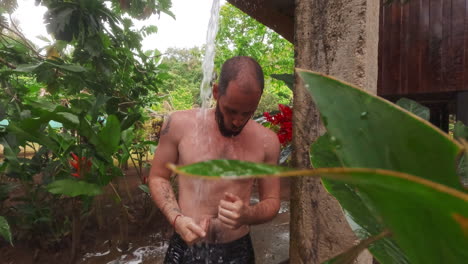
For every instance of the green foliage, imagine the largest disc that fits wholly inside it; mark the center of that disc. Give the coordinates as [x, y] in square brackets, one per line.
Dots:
[323, 154]
[365, 131]
[288, 79]
[180, 88]
[370, 130]
[5, 230]
[460, 131]
[74, 188]
[229, 169]
[109, 136]
[92, 79]
[415, 108]
[241, 35]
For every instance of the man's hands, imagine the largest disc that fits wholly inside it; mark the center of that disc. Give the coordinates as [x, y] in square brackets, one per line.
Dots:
[189, 230]
[232, 211]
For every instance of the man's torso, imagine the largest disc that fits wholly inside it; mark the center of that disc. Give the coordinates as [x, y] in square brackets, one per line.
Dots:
[199, 198]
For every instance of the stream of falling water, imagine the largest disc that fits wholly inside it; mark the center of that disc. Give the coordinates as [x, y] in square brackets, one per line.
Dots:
[204, 142]
[208, 60]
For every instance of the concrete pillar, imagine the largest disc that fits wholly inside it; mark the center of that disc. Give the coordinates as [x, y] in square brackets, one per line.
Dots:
[338, 38]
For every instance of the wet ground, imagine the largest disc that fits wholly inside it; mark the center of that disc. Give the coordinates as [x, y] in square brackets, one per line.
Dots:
[271, 244]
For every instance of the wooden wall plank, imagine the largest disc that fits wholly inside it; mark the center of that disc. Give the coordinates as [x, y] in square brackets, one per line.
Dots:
[394, 59]
[415, 40]
[424, 48]
[446, 41]
[455, 77]
[381, 57]
[404, 48]
[385, 58]
[435, 46]
[465, 50]
[424, 83]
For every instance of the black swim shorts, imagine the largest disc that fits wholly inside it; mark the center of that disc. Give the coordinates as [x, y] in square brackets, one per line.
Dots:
[239, 251]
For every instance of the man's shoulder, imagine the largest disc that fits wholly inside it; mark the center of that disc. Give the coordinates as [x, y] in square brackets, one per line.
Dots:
[182, 115]
[174, 123]
[260, 130]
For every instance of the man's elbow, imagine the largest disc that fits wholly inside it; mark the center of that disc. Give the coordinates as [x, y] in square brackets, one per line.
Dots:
[275, 207]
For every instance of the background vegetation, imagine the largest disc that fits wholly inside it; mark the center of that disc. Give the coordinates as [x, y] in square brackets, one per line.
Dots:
[90, 102]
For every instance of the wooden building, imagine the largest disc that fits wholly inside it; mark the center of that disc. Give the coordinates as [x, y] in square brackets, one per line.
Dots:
[423, 50]
[423, 55]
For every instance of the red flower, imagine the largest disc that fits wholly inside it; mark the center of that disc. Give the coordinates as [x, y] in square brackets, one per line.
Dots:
[81, 166]
[283, 119]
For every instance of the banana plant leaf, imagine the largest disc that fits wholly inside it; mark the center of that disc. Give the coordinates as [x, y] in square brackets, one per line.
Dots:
[350, 255]
[370, 132]
[358, 212]
[428, 220]
[367, 131]
[415, 108]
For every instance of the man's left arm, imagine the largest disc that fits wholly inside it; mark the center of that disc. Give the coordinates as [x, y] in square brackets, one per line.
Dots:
[234, 213]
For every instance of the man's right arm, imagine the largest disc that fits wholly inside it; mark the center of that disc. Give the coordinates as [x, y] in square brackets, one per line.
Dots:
[160, 185]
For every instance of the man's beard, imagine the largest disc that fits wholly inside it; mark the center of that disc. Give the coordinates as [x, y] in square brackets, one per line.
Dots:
[222, 128]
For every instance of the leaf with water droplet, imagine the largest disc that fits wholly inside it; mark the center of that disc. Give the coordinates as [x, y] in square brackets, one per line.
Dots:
[364, 115]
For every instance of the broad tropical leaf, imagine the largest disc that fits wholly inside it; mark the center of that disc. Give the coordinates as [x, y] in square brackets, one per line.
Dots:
[288, 79]
[366, 131]
[358, 211]
[350, 255]
[400, 201]
[228, 169]
[5, 230]
[109, 136]
[460, 131]
[73, 188]
[370, 132]
[415, 108]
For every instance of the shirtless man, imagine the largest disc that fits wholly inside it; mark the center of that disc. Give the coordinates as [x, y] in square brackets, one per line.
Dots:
[217, 212]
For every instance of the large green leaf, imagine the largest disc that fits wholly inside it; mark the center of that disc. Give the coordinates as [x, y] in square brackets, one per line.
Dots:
[10, 148]
[129, 120]
[74, 188]
[288, 79]
[414, 107]
[100, 101]
[370, 132]
[460, 131]
[109, 136]
[357, 211]
[5, 230]
[228, 169]
[31, 135]
[429, 221]
[350, 255]
[72, 68]
[323, 153]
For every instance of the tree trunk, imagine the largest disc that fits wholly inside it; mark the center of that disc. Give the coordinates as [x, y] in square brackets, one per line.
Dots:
[338, 38]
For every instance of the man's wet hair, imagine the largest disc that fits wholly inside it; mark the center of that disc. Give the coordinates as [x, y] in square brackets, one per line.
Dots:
[247, 66]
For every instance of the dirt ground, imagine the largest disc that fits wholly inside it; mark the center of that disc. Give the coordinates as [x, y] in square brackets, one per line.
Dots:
[148, 234]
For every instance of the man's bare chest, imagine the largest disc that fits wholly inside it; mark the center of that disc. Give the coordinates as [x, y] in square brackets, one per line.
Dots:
[193, 149]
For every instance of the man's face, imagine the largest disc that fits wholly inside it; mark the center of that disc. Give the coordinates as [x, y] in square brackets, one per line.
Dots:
[235, 108]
